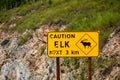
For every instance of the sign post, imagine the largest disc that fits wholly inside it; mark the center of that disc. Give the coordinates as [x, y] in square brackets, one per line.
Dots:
[89, 68]
[73, 44]
[58, 68]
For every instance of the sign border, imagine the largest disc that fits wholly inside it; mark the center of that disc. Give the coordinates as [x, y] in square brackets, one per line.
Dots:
[85, 32]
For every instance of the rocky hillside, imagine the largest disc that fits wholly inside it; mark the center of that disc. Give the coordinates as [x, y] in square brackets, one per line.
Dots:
[30, 61]
[23, 38]
[110, 59]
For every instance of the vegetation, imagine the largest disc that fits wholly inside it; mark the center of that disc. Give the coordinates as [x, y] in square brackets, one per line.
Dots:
[70, 62]
[79, 64]
[24, 38]
[81, 15]
[9, 4]
[62, 71]
[42, 49]
[105, 62]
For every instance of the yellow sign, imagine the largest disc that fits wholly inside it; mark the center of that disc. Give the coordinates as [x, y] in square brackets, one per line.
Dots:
[73, 44]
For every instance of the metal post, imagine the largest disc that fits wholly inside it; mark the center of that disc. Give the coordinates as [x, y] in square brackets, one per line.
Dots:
[58, 68]
[89, 68]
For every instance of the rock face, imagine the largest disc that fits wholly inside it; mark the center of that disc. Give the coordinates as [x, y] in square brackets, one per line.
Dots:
[30, 61]
[14, 70]
[111, 53]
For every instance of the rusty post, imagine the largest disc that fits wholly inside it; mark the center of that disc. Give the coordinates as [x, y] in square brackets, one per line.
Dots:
[58, 68]
[89, 68]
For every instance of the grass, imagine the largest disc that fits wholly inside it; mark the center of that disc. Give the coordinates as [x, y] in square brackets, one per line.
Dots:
[51, 15]
[105, 62]
[81, 15]
[24, 38]
[42, 49]
[62, 71]
[70, 62]
[80, 64]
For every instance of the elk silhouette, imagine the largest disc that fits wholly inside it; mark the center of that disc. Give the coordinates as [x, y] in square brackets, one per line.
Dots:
[85, 43]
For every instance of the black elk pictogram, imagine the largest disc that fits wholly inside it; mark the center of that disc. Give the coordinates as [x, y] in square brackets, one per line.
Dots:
[85, 43]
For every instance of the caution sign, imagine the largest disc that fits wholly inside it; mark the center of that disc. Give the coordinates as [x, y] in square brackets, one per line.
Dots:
[86, 44]
[73, 44]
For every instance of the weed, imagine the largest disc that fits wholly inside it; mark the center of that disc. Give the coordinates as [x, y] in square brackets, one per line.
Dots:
[66, 62]
[103, 63]
[42, 49]
[62, 71]
[23, 39]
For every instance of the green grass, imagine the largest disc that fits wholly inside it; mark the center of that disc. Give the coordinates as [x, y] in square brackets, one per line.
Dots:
[42, 49]
[105, 62]
[24, 38]
[81, 15]
[80, 64]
